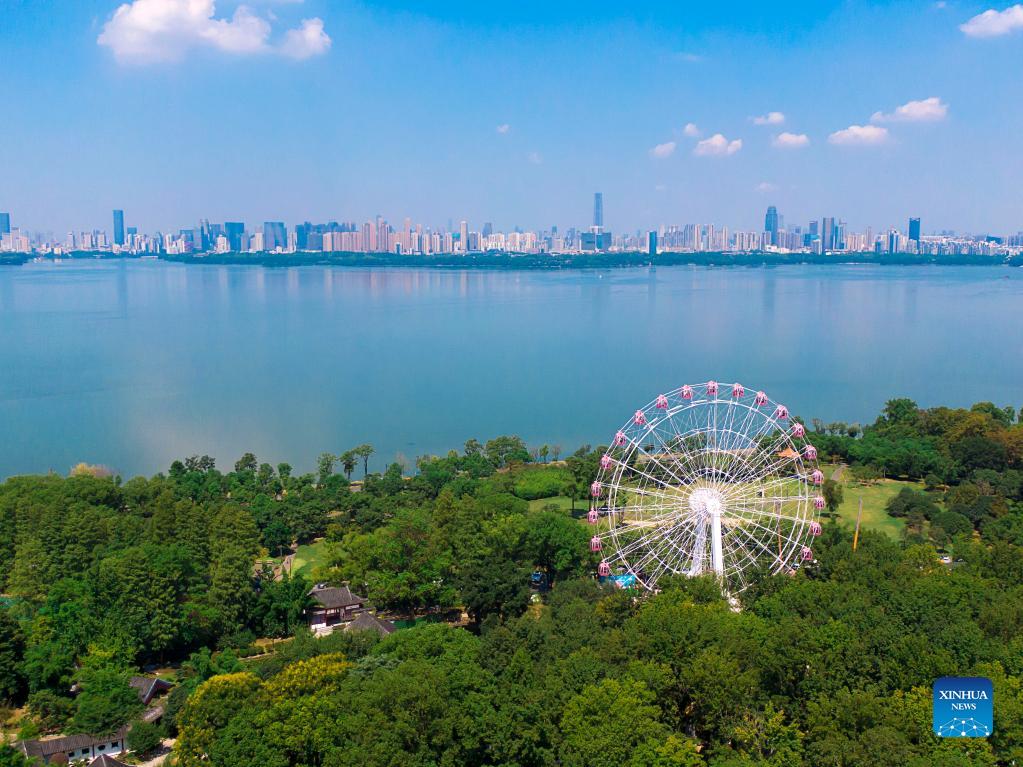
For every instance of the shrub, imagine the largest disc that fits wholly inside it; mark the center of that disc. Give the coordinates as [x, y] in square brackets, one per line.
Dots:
[144, 737]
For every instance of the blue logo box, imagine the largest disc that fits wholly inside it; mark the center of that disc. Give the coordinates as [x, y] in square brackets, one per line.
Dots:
[963, 707]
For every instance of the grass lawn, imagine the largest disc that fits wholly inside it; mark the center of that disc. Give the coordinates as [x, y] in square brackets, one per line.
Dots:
[564, 503]
[875, 497]
[308, 556]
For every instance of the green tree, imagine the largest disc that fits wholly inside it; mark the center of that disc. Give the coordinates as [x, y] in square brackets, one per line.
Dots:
[105, 699]
[12, 650]
[325, 467]
[349, 460]
[607, 722]
[144, 737]
[833, 494]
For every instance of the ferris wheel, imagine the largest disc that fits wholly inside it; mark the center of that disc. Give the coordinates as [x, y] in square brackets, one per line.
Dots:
[710, 478]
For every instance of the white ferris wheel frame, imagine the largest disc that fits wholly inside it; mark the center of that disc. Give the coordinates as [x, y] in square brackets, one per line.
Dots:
[708, 478]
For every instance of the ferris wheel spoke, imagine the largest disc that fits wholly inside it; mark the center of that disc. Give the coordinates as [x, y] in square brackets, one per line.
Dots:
[755, 542]
[648, 456]
[776, 533]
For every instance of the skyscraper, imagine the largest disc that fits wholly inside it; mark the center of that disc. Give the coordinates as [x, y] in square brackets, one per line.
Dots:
[275, 235]
[598, 211]
[118, 227]
[234, 230]
[771, 224]
[914, 229]
[5, 223]
[827, 233]
[652, 243]
[463, 236]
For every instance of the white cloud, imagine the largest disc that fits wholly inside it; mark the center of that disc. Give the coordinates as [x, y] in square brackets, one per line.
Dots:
[925, 110]
[691, 130]
[717, 146]
[503, 128]
[788, 140]
[766, 186]
[660, 187]
[661, 151]
[859, 135]
[941, 4]
[687, 56]
[992, 23]
[771, 118]
[535, 158]
[147, 31]
[307, 41]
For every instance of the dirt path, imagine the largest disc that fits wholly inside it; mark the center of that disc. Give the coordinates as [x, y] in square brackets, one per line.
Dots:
[160, 756]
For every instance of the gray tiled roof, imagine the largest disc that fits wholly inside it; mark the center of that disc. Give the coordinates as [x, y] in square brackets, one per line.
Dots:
[50, 746]
[331, 597]
[368, 622]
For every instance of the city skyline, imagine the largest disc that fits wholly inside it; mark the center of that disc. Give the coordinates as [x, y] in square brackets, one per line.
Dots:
[298, 110]
[829, 234]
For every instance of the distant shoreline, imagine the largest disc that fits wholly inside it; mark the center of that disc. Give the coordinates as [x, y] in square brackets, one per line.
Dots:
[545, 262]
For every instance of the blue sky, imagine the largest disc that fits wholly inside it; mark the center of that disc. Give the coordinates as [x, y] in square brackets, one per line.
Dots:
[512, 113]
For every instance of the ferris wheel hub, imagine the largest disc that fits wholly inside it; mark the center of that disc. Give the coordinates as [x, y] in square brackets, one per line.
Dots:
[707, 502]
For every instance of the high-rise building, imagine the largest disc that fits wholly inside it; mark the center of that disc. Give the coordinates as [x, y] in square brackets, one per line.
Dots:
[827, 233]
[652, 243]
[234, 230]
[275, 235]
[463, 236]
[771, 224]
[598, 211]
[914, 230]
[118, 227]
[5, 223]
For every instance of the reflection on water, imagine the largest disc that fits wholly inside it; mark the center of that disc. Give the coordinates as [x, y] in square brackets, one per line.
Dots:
[133, 364]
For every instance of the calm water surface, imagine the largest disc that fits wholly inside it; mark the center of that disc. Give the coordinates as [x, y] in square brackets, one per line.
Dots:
[133, 364]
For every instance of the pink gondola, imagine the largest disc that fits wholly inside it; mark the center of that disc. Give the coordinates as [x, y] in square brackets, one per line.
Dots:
[595, 543]
[604, 569]
[606, 461]
[662, 402]
[810, 453]
[798, 430]
[817, 476]
[760, 400]
[639, 418]
[592, 516]
[738, 391]
[687, 392]
[818, 502]
[781, 413]
[815, 528]
[712, 388]
[619, 438]
[807, 554]
[595, 490]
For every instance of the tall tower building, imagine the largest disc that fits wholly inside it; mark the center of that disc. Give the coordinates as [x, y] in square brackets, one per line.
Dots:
[118, 227]
[5, 223]
[598, 211]
[827, 233]
[463, 236]
[914, 230]
[771, 224]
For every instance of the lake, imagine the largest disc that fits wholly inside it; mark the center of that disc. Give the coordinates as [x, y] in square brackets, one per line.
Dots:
[132, 364]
